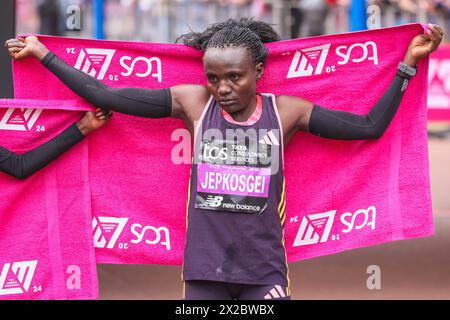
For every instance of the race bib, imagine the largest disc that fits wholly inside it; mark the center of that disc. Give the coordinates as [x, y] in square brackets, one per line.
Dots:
[233, 176]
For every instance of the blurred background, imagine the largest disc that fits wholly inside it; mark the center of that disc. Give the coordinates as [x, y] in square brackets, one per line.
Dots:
[411, 269]
[165, 20]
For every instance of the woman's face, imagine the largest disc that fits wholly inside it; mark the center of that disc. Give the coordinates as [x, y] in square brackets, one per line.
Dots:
[231, 76]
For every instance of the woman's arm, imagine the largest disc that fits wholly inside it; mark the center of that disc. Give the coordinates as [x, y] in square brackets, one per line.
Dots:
[342, 125]
[133, 101]
[23, 165]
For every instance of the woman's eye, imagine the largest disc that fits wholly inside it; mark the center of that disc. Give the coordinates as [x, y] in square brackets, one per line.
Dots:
[212, 79]
[234, 77]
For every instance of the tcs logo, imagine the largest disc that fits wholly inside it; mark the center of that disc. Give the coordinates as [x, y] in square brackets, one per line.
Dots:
[367, 51]
[97, 62]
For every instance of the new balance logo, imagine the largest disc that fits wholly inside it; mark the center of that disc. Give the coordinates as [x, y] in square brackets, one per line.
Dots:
[270, 138]
[19, 119]
[107, 230]
[276, 292]
[213, 201]
[95, 62]
[16, 277]
[314, 228]
[308, 61]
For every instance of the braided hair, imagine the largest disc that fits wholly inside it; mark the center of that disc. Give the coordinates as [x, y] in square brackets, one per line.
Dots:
[241, 32]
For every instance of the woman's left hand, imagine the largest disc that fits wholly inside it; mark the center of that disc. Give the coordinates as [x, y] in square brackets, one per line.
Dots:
[423, 44]
[92, 121]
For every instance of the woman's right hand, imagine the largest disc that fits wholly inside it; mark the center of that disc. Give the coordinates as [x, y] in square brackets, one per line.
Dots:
[30, 46]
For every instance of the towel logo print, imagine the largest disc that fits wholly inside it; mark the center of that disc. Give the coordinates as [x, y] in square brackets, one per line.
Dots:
[16, 277]
[368, 214]
[107, 228]
[365, 49]
[147, 62]
[95, 62]
[111, 228]
[439, 83]
[140, 231]
[308, 61]
[314, 228]
[19, 119]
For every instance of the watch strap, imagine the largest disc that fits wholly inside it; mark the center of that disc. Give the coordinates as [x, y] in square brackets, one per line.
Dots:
[406, 71]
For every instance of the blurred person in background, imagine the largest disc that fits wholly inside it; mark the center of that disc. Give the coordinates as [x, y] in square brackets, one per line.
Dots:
[442, 9]
[309, 18]
[296, 19]
[397, 12]
[50, 17]
[142, 14]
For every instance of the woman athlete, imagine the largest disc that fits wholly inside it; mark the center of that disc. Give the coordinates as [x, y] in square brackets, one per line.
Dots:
[24, 165]
[236, 201]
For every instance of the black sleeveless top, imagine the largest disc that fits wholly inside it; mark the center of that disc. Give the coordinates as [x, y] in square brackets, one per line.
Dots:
[236, 200]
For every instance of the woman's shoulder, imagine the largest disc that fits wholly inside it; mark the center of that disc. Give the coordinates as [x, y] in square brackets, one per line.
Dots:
[191, 99]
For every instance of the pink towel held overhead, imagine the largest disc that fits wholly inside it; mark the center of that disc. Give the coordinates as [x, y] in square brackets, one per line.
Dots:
[340, 194]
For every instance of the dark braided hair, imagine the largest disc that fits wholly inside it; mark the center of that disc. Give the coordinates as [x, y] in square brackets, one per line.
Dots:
[241, 32]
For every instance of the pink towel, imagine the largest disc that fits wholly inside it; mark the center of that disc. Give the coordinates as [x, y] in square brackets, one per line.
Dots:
[45, 237]
[340, 194]
[439, 85]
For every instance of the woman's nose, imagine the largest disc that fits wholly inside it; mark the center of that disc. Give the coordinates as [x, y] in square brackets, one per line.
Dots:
[223, 89]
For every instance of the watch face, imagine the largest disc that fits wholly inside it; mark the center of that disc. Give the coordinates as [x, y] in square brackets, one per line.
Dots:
[410, 71]
[407, 69]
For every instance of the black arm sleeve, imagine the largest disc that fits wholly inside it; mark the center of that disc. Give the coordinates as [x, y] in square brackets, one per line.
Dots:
[133, 101]
[342, 125]
[23, 165]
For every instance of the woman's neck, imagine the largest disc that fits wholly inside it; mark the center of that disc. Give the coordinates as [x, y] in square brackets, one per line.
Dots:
[249, 114]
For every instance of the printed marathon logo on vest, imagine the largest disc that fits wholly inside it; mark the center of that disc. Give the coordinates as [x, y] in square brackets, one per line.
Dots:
[16, 277]
[234, 174]
[94, 62]
[316, 228]
[20, 119]
[107, 231]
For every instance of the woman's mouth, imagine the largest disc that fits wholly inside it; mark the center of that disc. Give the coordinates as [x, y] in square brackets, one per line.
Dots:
[226, 103]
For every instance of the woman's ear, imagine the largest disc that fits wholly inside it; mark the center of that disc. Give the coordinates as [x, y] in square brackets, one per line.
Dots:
[259, 70]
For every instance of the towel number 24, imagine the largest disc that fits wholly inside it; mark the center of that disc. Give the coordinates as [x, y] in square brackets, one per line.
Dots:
[37, 288]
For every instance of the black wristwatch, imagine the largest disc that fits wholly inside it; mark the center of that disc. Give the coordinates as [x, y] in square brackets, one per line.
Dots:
[406, 71]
